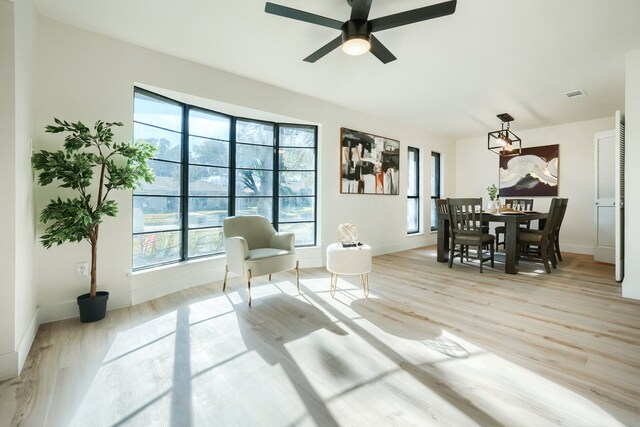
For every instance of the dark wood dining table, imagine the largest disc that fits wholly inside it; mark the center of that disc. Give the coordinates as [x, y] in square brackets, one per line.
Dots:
[511, 220]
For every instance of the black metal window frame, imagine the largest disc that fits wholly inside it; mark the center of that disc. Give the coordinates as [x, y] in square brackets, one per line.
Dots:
[436, 179]
[232, 167]
[416, 181]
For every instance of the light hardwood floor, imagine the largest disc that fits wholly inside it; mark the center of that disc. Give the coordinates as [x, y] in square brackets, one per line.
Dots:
[430, 346]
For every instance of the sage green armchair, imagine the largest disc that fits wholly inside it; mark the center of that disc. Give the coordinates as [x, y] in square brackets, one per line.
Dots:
[254, 248]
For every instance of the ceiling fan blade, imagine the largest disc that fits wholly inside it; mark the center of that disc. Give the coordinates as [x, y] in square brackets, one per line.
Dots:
[288, 12]
[412, 16]
[380, 51]
[324, 49]
[360, 9]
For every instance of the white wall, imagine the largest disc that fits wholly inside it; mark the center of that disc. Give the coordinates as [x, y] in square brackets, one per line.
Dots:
[18, 312]
[8, 357]
[88, 77]
[477, 168]
[26, 291]
[631, 282]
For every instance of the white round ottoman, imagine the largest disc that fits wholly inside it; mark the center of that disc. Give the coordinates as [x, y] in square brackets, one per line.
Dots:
[349, 261]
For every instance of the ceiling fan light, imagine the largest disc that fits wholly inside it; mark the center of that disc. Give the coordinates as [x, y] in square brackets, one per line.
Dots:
[356, 45]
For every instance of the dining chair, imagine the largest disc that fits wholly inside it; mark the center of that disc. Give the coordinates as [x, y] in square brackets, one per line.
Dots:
[465, 229]
[563, 209]
[543, 239]
[527, 205]
[441, 206]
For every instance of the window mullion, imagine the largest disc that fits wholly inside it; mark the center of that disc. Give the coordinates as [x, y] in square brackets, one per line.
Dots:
[276, 177]
[232, 167]
[184, 200]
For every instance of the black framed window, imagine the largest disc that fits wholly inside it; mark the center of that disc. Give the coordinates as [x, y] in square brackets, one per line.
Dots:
[413, 191]
[211, 165]
[435, 188]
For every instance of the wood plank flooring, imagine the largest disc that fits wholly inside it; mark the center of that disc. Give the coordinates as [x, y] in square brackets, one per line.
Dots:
[430, 346]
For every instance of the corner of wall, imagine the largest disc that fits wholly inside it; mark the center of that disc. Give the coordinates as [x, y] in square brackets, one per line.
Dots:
[27, 339]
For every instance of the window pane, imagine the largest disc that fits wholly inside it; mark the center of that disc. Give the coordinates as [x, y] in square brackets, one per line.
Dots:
[168, 144]
[205, 242]
[297, 159]
[297, 183]
[155, 214]
[255, 206]
[208, 151]
[434, 215]
[155, 248]
[412, 190]
[208, 181]
[167, 181]
[303, 231]
[435, 175]
[412, 215]
[254, 183]
[158, 112]
[207, 212]
[252, 157]
[209, 124]
[297, 209]
[297, 136]
[254, 132]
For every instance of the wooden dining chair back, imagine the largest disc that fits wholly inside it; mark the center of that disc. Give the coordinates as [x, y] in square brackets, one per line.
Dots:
[465, 229]
[558, 224]
[544, 239]
[523, 205]
[441, 206]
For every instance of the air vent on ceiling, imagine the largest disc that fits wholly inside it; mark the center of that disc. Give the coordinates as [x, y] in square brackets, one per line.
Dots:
[575, 94]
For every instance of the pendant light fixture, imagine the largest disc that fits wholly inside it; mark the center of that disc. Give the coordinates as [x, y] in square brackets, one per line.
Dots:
[504, 142]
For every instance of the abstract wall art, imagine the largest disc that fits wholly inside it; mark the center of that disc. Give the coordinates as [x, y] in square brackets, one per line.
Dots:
[369, 163]
[534, 172]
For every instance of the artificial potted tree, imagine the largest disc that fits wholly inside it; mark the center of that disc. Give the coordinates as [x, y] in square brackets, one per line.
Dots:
[92, 166]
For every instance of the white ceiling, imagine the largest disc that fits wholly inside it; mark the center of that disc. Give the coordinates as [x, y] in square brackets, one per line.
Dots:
[452, 75]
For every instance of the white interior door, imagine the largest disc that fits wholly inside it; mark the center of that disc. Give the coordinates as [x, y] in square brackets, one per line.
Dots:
[604, 197]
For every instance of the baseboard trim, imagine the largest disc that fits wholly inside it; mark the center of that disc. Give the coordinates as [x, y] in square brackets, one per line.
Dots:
[8, 365]
[24, 346]
[414, 243]
[60, 311]
[629, 291]
[577, 249]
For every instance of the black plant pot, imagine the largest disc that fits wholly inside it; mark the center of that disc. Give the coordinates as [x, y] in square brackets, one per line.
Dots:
[93, 309]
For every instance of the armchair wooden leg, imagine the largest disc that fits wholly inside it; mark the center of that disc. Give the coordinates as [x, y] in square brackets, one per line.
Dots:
[249, 285]
[224, 283]
[298, 275]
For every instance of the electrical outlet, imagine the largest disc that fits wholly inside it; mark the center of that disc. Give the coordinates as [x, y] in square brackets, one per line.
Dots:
[82, 268]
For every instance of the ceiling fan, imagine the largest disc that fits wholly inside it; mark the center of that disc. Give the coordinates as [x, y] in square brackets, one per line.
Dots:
[357, 37]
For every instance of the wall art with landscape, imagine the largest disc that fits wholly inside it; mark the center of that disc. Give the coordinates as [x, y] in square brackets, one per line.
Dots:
[534, 172]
